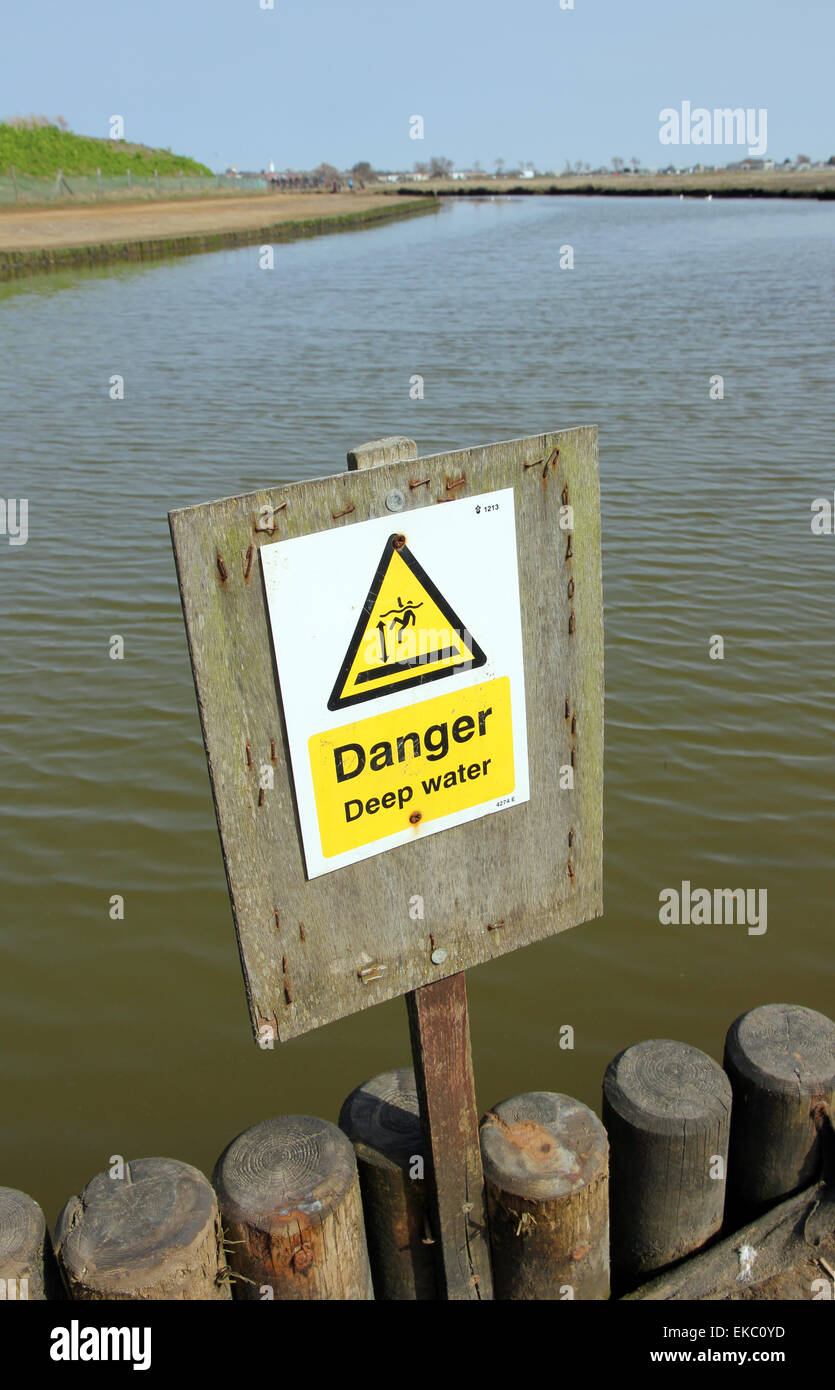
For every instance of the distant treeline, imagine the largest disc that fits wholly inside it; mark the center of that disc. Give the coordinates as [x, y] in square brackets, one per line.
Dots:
[34, 146]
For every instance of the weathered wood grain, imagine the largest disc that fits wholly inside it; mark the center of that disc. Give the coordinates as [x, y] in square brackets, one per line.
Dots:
[490, 886]
[27, 1265]
[395, 448]
[290, 1200]
[382, 1120]
[781, 1062]
[153, 1234]
[546, 1167]
[788, 1253]
[440, 1034]
[667, 1110]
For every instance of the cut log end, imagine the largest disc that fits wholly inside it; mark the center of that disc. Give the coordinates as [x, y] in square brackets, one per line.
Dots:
[785, 1046]
[667, 1110]
[153, 1233]
[542, 1145]
[382, 1119]
[25, 1249]
[781, 1062]
[660, 1083]
[288, 1168]
[289, 1196]
[545, 1160]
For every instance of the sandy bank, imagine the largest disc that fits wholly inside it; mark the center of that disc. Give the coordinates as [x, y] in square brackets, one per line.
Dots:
[35, 239]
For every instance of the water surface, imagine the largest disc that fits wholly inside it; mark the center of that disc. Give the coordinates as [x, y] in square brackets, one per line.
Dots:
[133, 1037]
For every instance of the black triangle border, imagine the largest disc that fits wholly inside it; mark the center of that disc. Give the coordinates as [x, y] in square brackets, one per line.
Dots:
[479, 658]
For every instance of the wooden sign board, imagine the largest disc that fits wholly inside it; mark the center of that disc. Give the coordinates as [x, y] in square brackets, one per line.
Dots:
[358, 642]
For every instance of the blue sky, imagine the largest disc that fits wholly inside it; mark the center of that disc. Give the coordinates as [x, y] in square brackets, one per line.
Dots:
[231, 83]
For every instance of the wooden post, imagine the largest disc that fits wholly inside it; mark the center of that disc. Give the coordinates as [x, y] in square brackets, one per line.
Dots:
[290, 1201]
[14, 181]
[153, 1233]
[382, 1120]
[440, 1037]
[27, 1264]
[59, 179]
[130, 181]
[394, 449]
[666, 1108]
[781, 1062]
[156, 182]
[546, 1168]
[98, 184]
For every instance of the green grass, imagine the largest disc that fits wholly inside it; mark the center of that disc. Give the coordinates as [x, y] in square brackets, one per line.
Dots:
[46, 150]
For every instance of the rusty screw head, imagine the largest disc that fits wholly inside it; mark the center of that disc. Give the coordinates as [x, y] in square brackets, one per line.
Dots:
[415, 818]
[399, 541]
[302, 1258]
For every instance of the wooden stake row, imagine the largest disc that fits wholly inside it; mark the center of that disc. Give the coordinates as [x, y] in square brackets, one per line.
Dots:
[303, 1209]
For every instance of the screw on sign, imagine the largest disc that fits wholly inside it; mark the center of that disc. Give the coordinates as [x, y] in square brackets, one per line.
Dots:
[405, 690]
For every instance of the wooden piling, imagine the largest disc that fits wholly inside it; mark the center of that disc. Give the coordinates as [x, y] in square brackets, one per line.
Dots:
[27, 1265]
[546, 1171]
[290, 1202]
[780, 1059]
[382, 1120]
[666, 1108]
[153, 1233]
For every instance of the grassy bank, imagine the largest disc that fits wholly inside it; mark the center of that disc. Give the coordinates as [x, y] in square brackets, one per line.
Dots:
[816, 183]
[35, 260]
[43, 151]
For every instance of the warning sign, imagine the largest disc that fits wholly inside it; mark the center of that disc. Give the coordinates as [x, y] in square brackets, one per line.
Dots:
[421, 628]
[402, 641]
[412, 766]
[399, 674]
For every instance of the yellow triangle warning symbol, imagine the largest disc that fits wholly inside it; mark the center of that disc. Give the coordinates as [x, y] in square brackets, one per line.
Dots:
[407, 634]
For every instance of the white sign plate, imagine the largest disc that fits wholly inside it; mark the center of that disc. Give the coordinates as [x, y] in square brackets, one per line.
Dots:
[399, 658]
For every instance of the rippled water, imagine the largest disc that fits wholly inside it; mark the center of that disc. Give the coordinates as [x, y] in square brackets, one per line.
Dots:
[132, 1037]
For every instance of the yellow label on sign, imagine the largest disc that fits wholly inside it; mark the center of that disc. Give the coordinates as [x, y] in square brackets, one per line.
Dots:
[407, 633]
[396, 771]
